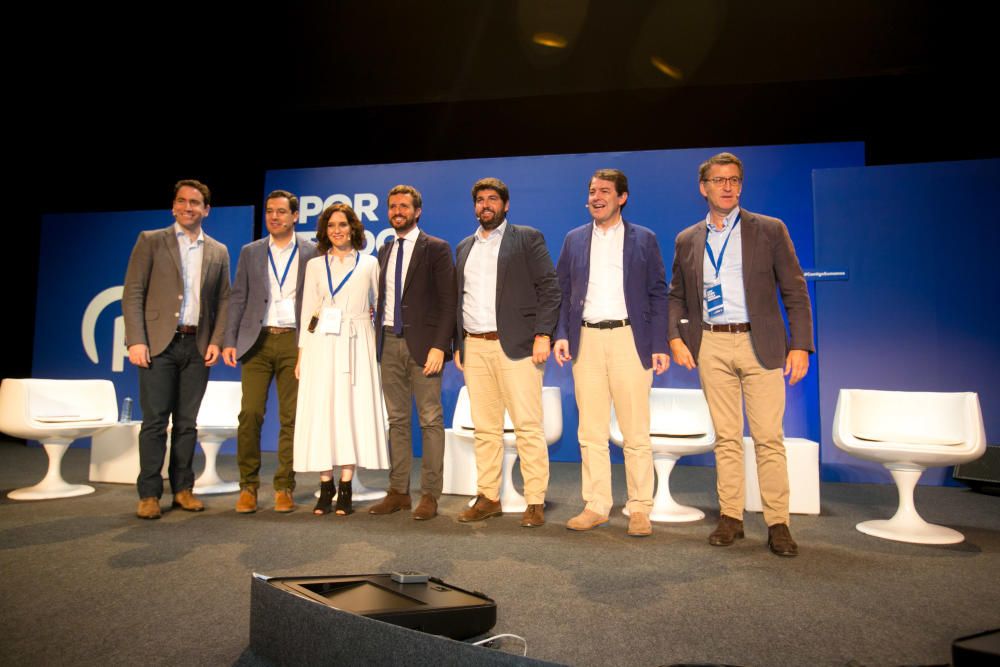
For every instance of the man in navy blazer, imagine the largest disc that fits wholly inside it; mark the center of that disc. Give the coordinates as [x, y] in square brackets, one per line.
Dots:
[414, 325]
[508, 304]
[726, 320]
[261, 332]
[613, 326]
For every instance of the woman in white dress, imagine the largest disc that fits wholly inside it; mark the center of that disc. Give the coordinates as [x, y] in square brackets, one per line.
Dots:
[340, 416]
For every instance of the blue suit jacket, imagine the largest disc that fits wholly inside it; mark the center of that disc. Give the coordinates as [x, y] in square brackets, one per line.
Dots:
[251, 293]
[645, 289]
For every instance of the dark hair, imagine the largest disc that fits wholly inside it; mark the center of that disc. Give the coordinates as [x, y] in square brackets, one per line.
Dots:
[616, 177]
[197, 185]
[720, 159]
[491, 184]
[418, 201]
[357, 229]
[293, 201]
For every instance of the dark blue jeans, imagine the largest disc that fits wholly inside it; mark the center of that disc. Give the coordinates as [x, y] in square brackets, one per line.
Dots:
[173, 385]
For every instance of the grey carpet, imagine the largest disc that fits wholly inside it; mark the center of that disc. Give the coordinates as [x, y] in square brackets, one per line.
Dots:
[85, 582]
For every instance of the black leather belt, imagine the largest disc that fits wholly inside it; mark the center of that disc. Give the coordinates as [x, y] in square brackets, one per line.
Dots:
[187, 329]
[739, 327]
[608, 324]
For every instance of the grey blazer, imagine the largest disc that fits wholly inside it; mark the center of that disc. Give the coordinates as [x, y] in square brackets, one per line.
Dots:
[251, 294]
[154, 286]
[769, 264]
[528, 297]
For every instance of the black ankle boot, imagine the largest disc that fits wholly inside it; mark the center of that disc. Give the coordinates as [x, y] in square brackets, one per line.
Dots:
[344, 498]
[326, 491]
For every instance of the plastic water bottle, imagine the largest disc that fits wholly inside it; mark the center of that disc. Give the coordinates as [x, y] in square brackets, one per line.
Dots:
[126, 414]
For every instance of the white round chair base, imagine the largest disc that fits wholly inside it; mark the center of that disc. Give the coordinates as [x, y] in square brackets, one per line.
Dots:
[673, 514]
[916, 532]
[210, 487]
[48, 491]
[360, 493]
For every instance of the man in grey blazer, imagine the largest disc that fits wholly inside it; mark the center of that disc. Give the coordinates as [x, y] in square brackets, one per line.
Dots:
[174, 302]
[508, 306]
[262, 333]
[725, 319]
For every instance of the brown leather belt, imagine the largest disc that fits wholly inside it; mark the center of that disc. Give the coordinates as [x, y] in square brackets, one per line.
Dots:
[276, 331]
[739, 327]
[608, 324]
[187, 329]
[489, 335]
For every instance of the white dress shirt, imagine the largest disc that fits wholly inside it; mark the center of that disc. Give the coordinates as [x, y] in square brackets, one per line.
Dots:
[192, 253]
[606, 285]
[282, 257]
[410, 240]
[734, 299]
[479, 297]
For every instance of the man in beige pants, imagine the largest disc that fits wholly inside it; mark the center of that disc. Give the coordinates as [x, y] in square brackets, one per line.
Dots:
[613, 325]
[725, 319]
[508, 304]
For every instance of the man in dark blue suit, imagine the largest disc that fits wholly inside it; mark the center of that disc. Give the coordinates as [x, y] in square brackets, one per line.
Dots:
[613, 324]
[262, 333]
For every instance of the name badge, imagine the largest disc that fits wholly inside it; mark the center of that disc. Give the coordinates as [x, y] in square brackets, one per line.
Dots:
[713, 300]
[330, 319]
[285, 310]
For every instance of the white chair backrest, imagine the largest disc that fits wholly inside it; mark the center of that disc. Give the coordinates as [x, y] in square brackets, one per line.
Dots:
[552, 422]
[221, 404]
[678, 413]
[68, 401]
[928, 418]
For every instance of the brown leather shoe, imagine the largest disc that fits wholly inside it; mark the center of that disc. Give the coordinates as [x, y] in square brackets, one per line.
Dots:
[427, 508]
[283, 501]
[187, 502]
[149, 508]
[586, 520]
[247, 502]
[393, 502]
[639, 525]
[780, 542]
[483, 508]
[728, 530]
[533, 517]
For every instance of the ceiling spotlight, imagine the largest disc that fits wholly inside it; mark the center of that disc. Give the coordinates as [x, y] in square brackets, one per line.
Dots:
[550, 39]
[666, 68]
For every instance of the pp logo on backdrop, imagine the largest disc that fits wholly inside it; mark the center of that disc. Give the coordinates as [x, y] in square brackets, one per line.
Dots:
[88, 328]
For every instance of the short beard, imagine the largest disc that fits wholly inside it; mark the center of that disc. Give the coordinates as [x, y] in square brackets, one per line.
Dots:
[403, 230]
[496, 222]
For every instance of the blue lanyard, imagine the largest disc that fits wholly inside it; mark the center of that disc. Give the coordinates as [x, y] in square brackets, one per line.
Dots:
[329, 276]
[708, 248]
[274, 267]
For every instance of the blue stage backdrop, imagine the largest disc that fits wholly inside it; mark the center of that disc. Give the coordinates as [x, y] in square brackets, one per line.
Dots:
[918, 242]
[550, 193]
[79, 329]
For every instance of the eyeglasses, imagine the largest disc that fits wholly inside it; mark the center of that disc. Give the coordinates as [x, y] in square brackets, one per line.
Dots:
[719, 181]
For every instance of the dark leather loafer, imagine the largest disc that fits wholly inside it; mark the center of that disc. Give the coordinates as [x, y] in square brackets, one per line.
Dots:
[149, 508]
[533, 517]
[780, 542]
[426, 509]
[484, 508]
[729, 529]
[393, 502]
[187, 502]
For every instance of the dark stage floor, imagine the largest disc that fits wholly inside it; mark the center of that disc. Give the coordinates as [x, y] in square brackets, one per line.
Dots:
[88, 583]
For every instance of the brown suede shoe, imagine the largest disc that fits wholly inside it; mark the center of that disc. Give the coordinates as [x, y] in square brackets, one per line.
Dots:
[533, 517]
[393, 502]
[780, 542]
[283, 501]
[639, 525]
[187, 502]
[149, 508]
[728, 530]
[427, 508]
[586, 520]
[247, 502]
[483, 508]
